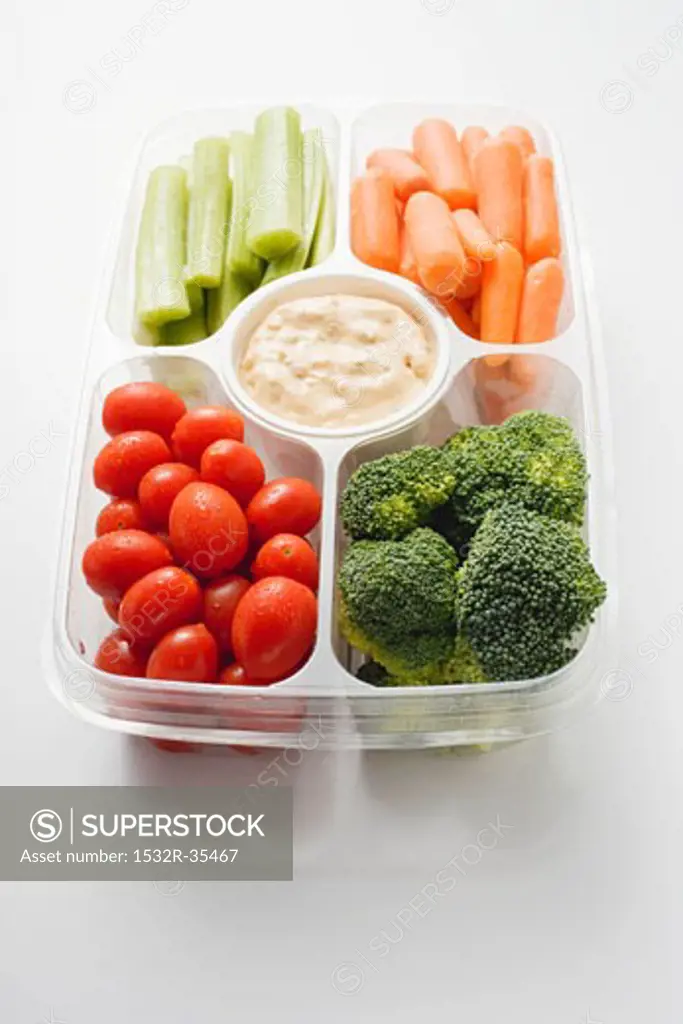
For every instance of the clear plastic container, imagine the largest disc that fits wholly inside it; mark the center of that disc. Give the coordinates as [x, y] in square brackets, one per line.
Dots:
[563, 376]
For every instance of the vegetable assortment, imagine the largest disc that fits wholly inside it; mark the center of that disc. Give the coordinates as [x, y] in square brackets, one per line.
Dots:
[249, 209]
[203, 565]
[467, 563]
[474, 221]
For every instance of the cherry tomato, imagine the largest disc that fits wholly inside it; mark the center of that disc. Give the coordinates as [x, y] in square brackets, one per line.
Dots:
[234, 466]
[287, 505]
[274, 627]
[119, 514]
[285, 554]
[111, 607]
[124, 460]
[208, 530]
[188, 654]
[234, 675]
[159, 602]
[173, 746]
[159, 486]
[116, 654]
[198, 428]
[220, 603]
[144, 405]
[112, 563]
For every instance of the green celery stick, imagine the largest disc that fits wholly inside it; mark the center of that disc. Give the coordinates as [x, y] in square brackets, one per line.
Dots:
[221, 301]
[276, 223]
[323, 241]
[195, 296]
[160, 293]
[208, 212]
[239, 258]
[187, 331]
[314, 182]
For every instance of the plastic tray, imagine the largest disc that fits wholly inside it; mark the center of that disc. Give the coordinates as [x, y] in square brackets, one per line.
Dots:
[563, 376]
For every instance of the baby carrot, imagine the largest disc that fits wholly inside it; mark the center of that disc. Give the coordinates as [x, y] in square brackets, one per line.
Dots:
[498, 173]
[475, 312]
[472, 139]
[402, 168]
[460, 317]
[476, 240]
[438, 150]
[541, 299]
[521, 137]
[374, 221]
[434, 239]
[501, 293]
[542, 225]
[408, 266]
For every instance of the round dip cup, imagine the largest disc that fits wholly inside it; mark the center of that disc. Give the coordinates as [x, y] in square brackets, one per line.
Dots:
[235, 335]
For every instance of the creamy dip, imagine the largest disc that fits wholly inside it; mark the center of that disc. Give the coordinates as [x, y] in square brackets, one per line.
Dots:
[337, 360]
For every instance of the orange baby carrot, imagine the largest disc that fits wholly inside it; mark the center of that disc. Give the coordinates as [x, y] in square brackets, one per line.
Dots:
[472, 139]
[541, 300]
[438, 150]
[542, 223]
[498, 173]
[521, 137]
[436, 244]
[407, 266]
[374, 221]
[475, 312]
[476, 240]
[402, 168]
[400, 207]
[460, 317]
[501, 293]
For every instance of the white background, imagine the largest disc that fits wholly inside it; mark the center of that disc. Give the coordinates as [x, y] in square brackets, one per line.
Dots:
[576, 914]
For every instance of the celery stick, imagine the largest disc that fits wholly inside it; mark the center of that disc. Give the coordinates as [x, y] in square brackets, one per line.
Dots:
[195, 296]
[221, 301]
[239, 258]
[314, 181]
[160, 293]
[185, 332]
[208, 212]
[323, 241]
[275, 224]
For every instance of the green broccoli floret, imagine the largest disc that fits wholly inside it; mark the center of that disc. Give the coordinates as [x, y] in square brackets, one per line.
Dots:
[398, 602]
[387, 498]
[525, 590]
[533, 459]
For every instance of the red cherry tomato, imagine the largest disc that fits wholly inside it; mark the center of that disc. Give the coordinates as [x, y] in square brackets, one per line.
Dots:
[220, 603]
[119, 514]
[111, 607]
[143, 405]
[159, 486]
[124, 460]
[285, 554]
[188, 654]
[234, 675]
[112, 563]
[274, 627]
[234, 466]
[116, 654]
[199, 427]
[287, 505]
[159, 602]
[173, 746]
[208, 530]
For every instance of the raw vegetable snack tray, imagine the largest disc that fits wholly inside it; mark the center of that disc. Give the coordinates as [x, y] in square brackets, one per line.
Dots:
[564, 376]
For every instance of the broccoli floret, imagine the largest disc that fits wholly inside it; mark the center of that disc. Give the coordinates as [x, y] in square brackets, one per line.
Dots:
[533, 459]
[398, 602]
[525, 590]
[387, 498]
